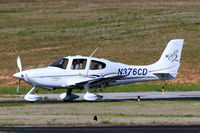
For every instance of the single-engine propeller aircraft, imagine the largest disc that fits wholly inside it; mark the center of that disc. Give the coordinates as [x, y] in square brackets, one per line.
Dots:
[81, 72]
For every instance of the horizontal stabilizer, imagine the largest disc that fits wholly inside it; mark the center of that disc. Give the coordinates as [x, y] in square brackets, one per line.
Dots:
[165, 76]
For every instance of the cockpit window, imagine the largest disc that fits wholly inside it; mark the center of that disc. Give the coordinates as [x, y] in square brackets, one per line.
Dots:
[60, 63]
[97, 65]
[78, 64]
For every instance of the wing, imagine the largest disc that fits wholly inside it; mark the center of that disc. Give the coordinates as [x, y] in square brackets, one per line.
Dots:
[97, 82]
[106, 80]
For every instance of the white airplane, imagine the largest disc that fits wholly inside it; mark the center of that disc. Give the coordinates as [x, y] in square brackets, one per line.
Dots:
[82, 72]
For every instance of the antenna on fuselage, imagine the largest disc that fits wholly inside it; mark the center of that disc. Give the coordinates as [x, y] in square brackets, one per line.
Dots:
[94, 52]
[90, 60]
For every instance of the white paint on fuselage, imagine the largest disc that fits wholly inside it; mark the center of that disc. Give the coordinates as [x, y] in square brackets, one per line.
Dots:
[53, 77]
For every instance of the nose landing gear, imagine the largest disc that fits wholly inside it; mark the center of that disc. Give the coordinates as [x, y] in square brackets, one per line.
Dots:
[32, 97]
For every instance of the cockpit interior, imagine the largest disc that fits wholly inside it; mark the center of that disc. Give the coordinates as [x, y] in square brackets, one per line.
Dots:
[78, 64]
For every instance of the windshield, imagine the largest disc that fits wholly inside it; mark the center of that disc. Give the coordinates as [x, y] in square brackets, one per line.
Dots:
[60, 63]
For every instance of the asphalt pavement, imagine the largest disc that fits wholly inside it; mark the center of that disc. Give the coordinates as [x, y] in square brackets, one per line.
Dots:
[104, 129]
[134, 96]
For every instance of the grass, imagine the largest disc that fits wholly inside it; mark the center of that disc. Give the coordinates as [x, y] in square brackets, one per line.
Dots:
[51, 122]
[105, 122]
[108, 113]
[11, 11]
[11, 124]
[127, 115]
[11, 104]
[132, 32]
[152, 87]
[149, 115]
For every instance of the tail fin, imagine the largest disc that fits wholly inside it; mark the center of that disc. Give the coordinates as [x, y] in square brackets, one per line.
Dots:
[169, 61]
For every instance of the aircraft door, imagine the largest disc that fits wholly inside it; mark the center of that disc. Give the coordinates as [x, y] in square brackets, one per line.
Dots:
[78, 66]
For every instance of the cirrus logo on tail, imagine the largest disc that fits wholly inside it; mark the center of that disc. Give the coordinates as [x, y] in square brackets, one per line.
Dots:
[173, 57]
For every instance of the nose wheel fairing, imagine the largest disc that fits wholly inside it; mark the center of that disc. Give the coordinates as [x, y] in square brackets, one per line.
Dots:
[32, 97]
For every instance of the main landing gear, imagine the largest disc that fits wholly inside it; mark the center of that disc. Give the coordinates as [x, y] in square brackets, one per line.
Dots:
[91, 96]
[68, 96]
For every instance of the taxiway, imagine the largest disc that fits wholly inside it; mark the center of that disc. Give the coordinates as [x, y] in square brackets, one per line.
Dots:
[134, 95]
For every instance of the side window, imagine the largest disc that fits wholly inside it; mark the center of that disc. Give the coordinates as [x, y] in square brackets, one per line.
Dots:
[97, 65]
[79, 64]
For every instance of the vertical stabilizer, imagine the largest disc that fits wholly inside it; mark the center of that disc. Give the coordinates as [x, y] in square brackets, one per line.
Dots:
[169, 61]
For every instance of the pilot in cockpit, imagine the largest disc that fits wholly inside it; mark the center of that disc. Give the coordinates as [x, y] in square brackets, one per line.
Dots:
[77, 64]
[74, 63]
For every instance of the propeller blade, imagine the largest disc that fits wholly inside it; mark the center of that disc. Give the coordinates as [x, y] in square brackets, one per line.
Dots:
[18, 86]
[19, 65]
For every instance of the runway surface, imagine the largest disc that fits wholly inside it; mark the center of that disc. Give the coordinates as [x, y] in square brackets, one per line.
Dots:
[134, 95]
[120, 96]
[105, 129]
